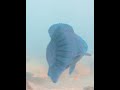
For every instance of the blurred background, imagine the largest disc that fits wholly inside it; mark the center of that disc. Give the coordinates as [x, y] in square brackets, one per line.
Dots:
[40, 15]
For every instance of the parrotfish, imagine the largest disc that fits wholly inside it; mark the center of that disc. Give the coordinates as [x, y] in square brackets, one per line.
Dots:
[64, 50]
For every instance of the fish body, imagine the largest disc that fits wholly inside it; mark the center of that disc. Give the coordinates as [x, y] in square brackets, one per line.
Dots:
[64, 50]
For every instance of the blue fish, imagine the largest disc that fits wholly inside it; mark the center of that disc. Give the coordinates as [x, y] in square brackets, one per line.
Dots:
[64, 50]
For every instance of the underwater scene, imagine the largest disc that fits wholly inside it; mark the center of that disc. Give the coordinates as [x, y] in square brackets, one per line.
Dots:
[59, 44]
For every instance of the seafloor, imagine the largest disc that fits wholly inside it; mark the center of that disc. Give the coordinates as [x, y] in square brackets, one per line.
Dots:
[81, 79]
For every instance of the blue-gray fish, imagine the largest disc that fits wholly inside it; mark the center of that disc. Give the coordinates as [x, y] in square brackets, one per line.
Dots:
[64, 50]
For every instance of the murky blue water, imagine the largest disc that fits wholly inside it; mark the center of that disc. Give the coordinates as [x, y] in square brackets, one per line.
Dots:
[41, 14]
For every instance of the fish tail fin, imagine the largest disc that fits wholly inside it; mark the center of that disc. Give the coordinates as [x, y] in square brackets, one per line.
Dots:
[87, 54]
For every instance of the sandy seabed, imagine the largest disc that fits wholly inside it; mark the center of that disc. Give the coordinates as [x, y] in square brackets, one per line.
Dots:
[37, 78]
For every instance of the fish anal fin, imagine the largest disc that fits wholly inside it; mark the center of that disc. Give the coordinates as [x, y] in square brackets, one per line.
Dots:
[72, 67]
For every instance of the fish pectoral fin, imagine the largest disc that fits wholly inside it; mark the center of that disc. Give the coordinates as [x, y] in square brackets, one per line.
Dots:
[72, 67]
